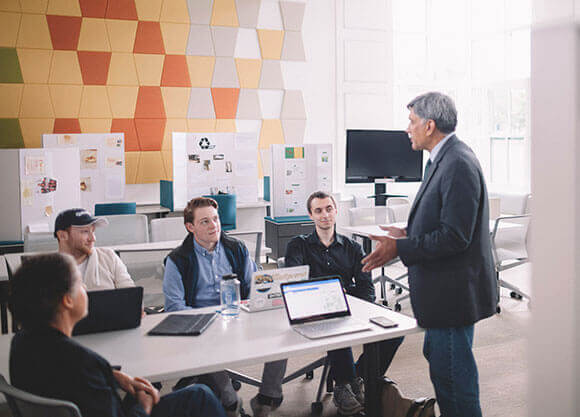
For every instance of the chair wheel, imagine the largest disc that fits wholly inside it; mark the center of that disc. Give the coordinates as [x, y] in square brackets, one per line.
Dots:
[397, 307]
[399, 291]
[516, 295]
[498, 309]
[310, 375]
[385, 302]
[392, 286]
[236, 384]
[316, 407]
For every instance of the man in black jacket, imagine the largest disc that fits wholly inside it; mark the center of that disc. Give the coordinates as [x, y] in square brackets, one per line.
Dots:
[47, 299]
[446, 247]
[329, 253]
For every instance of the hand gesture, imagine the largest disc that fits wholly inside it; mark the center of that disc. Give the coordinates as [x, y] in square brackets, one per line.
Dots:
[394, 232]
[385, 251]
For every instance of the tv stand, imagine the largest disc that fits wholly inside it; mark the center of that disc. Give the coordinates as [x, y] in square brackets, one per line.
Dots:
[381, 196]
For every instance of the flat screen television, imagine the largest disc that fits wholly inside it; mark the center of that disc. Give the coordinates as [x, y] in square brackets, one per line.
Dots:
[373, 154]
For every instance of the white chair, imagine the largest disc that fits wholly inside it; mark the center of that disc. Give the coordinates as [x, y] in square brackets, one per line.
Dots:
[168, 228]
[123, 229]
[513, 203]
[509, 239]
[253, 241]
[40, 242]
[24, 404]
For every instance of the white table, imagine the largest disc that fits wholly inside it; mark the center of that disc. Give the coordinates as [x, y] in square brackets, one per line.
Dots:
[253, 338]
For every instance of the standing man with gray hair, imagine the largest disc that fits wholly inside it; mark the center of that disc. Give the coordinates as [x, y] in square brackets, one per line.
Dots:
[447, 249]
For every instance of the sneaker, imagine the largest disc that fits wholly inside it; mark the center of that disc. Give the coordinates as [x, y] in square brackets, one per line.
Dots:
[260, 410]
[358, 389]
[345, 400]
[234, 410]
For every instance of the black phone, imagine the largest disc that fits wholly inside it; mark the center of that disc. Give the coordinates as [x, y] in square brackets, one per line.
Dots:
[383, 322]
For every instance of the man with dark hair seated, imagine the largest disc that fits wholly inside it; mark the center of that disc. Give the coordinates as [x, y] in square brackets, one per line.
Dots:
[47, 299]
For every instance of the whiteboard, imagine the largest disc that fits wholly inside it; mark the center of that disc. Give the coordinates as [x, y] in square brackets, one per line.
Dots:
[297, 172]
[208, 163]
[49, 184]
[101, 162]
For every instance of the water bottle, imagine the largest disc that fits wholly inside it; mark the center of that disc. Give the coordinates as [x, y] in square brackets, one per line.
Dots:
[230, 296]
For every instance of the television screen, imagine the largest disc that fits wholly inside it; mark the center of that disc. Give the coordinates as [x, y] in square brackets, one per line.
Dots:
[372, 154]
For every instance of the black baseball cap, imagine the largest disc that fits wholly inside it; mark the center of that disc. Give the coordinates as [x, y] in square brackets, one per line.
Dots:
[76, 217]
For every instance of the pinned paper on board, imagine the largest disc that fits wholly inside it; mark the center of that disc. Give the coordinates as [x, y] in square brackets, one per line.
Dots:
[323, 158]
[207, 165]
[218, 157]
[48, 211]
[295, 169]
[27, 193]
[86, 184]
[46, 185]
[34, 165]
[114, 142]
[113, 187]
[66, 140]
[114, 162]
[228, 167]
[88, 158]
[194, 158]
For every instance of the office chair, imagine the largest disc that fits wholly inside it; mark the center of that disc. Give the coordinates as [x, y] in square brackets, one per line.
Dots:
[107, 209]
[226, 209]
[509, 238]
[24, 404]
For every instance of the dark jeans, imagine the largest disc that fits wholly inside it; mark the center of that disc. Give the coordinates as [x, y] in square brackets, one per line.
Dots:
[342, 366]
[453, 370]
[192, 401]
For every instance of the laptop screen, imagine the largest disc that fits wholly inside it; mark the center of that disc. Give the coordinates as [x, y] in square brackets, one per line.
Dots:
[315, 299]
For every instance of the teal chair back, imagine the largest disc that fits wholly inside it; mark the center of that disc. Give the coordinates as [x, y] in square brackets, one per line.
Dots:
[108, 209]
[226, 210]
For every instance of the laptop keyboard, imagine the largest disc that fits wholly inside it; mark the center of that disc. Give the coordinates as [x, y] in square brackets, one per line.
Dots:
[331, 327]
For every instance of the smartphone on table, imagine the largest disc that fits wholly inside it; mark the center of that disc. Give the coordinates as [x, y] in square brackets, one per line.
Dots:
[383, 322]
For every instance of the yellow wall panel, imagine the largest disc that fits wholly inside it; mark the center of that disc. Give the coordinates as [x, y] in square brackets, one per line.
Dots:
[249, 72]
[225, 125]
[96, 125]
[149, 68]
[270, 43]
[201, 125]
[121, 34]
[95, 102]
[175, 11]
[36, 101]
[10, 6]
[260, 170]
[131, 166]
[123, 101]
[200, 70]
[33, 129]
[148, 9]
[11, 98]
[175, 37]
[64, 7]
[151, 168]
[66, 100]
[65, 68]
[271, 133]
[93, 36]
[35, 64]
[224, 13]
[9, 22]
[172, 125]
[176, 100]
[122, 70]
[168, 162]
[33, 6]
[33, 32]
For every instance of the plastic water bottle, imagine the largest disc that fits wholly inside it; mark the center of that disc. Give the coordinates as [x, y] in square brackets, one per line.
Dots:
[230, 296]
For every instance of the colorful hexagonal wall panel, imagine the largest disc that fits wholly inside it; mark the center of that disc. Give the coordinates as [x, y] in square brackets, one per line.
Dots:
[148, 68]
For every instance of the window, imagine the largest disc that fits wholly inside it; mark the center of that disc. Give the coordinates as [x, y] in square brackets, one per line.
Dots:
[479, 53]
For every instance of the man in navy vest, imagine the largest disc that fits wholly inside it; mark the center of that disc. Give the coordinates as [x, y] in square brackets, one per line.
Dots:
[192, 280]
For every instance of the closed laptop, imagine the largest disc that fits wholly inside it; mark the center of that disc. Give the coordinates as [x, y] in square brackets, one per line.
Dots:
[109, 310]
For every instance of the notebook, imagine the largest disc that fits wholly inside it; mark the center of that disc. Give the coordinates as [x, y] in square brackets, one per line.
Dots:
[116, 309]
[265, 287]
[318, 308]
[183, 325]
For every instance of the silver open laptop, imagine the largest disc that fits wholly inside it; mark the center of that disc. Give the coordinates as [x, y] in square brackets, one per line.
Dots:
[265, 287]
[318, 308]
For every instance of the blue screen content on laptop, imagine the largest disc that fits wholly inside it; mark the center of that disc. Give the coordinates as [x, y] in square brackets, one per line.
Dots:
[316, 298]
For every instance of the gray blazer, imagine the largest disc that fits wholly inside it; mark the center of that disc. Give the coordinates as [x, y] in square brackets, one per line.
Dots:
[448, 247]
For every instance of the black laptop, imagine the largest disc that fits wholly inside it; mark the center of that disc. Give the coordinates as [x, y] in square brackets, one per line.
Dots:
[117, 309]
